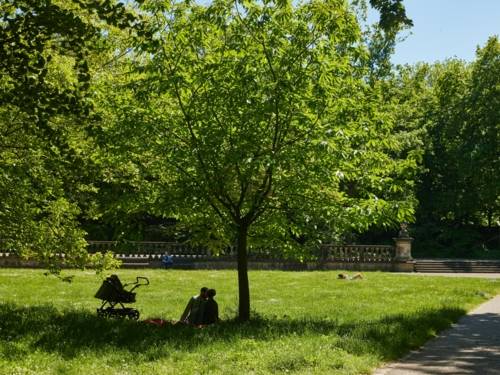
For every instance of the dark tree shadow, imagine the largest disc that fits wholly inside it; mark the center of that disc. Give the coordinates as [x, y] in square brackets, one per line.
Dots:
[68, 332]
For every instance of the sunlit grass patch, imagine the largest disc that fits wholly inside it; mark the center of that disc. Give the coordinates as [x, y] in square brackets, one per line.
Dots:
[303, 322]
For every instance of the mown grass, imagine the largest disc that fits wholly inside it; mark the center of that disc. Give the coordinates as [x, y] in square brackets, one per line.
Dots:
[303, 323]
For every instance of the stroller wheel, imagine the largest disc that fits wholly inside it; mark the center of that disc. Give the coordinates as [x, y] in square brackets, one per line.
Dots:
[133, 314]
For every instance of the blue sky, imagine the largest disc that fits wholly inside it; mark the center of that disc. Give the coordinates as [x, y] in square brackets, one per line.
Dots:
[447, 28]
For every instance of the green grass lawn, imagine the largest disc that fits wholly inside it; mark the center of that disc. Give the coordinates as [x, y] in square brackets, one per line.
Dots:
[304, 322]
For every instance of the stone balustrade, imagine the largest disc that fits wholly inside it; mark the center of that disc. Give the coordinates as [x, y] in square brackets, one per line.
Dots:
[154, 250]
[331, 253]
[329, 256]
[358, 253]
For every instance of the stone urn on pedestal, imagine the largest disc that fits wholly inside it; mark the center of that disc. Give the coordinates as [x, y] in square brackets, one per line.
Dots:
[403, 262]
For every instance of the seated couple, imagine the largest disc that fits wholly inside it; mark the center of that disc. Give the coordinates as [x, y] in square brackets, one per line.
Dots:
[201, 309]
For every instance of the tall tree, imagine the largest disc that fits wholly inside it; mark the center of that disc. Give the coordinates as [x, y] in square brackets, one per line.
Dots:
[258, 120]
[44, 117]
[461, 118]
[481, 136]
[382, 36]
[443, 117]
[452, 108]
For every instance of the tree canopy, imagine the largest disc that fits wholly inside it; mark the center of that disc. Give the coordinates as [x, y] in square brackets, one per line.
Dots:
[257, 123]
[461, 118]
[44, 117]
[452, 106]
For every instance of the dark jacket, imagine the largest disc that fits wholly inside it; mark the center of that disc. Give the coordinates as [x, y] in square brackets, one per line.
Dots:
[211, 312]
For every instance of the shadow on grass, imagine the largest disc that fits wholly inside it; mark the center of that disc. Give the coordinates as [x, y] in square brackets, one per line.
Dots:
[70, 332]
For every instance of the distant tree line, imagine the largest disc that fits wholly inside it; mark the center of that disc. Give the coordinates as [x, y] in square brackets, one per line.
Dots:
[454, 107]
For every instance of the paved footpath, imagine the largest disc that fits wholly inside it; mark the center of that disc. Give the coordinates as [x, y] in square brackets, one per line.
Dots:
[471, 346]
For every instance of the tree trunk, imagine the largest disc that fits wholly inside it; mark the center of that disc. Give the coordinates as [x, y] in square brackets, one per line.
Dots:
[244, 291]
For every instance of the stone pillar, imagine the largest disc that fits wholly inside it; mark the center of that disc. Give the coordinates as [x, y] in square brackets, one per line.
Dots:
[403, 262]
[403, 244]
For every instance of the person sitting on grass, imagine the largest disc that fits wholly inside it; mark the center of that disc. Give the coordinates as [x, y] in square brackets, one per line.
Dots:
[211, 313]
[193, 313]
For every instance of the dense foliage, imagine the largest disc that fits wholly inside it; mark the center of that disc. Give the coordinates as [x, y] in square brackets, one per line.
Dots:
[256, 124]
[454, 108]
[45, 116]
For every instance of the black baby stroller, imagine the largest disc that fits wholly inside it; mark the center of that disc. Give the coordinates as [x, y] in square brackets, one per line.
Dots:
[113, 293]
